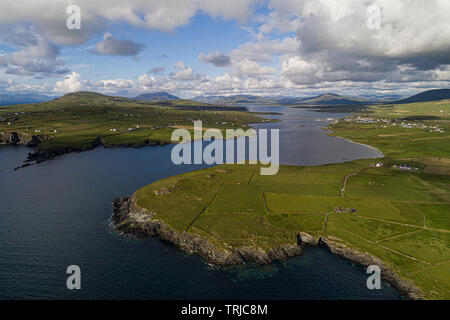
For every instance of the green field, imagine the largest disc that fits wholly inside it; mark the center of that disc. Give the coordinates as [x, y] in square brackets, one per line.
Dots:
[80, 119]
[400, 216]
[397, 215]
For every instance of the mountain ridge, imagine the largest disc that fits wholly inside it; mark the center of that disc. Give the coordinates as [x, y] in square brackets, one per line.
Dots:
[156, 96]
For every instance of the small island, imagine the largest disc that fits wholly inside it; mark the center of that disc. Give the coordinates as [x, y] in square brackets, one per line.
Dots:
[392, 212]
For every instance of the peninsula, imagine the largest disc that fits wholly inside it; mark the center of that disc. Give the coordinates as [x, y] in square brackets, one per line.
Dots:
[84, 120]
[391, 212]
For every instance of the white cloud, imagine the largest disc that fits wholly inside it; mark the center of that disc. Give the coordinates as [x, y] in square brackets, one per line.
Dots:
[264, 50]
[183, 73]
[71, 83]
[50, 15]
[298, 46]
[250, 68]
[34, 55]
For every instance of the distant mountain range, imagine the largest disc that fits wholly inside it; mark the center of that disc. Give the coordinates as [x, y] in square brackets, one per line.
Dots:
[321, 100]
[156, 96]
[327, 99]
[11, 99]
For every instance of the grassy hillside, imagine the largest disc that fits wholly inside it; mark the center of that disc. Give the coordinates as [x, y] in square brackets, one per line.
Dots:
[80, 119]
[400, 215]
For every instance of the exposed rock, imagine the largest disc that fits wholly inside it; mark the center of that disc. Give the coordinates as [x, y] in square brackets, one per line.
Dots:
[304, 238]
[40, 154]
[17, 138]
[34, 142]
[366, 260]
[162, 191]
[130, 219]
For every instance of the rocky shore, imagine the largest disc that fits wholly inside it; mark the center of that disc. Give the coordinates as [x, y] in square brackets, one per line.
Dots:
[41, 155]
[129, 219]
[24, 139]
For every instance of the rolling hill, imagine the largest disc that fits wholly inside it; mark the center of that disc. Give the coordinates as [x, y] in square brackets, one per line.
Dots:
[430, 95]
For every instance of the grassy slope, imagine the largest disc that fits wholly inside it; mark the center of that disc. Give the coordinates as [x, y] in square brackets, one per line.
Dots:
[401, 216]
[83, 117]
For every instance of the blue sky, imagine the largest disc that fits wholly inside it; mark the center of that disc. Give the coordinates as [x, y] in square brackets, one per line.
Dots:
[203, 34]
[211, 47]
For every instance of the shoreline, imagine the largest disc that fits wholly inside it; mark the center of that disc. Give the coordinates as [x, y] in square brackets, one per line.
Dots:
[129, 219]
[38, 156]
[362, 144]
[331, 134]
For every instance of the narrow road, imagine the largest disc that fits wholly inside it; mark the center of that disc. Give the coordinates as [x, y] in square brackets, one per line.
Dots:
[344, 183]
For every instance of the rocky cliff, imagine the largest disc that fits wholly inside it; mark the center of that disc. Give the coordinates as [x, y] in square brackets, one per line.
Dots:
[17, 138]
[129, 219]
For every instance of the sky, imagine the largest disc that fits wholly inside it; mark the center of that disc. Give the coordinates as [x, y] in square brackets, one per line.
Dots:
[214, 47]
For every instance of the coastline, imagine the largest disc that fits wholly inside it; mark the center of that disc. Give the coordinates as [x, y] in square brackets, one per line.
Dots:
[129, 219]
[38, 156]
[362, 144]
[331, 133]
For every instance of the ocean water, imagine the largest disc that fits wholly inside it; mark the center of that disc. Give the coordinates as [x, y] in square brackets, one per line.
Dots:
[56, 214]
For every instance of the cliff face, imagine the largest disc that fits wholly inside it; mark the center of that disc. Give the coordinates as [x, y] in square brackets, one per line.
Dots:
[129, 219]
[365, 259]
[42, 154]
[17, 138]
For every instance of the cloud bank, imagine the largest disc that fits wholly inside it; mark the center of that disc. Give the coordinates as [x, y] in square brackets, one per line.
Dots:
[295, 46]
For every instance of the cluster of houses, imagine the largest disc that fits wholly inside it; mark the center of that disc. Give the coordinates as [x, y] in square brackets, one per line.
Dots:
[411, 125]
[401, 166]
[396, 122]
[40, 131]
[128, 129]
[404, 167]
[376, 165]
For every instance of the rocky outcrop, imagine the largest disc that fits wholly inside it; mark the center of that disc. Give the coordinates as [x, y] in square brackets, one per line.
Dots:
[17, 138]
[41, 154]
[131, 220]
[365, 259]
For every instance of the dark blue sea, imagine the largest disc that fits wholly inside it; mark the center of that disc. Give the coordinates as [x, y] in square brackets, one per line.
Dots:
[56, 214]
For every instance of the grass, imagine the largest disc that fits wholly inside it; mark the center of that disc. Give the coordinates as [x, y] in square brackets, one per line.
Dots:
[400, 216]
[388, 224]
[77, 120]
